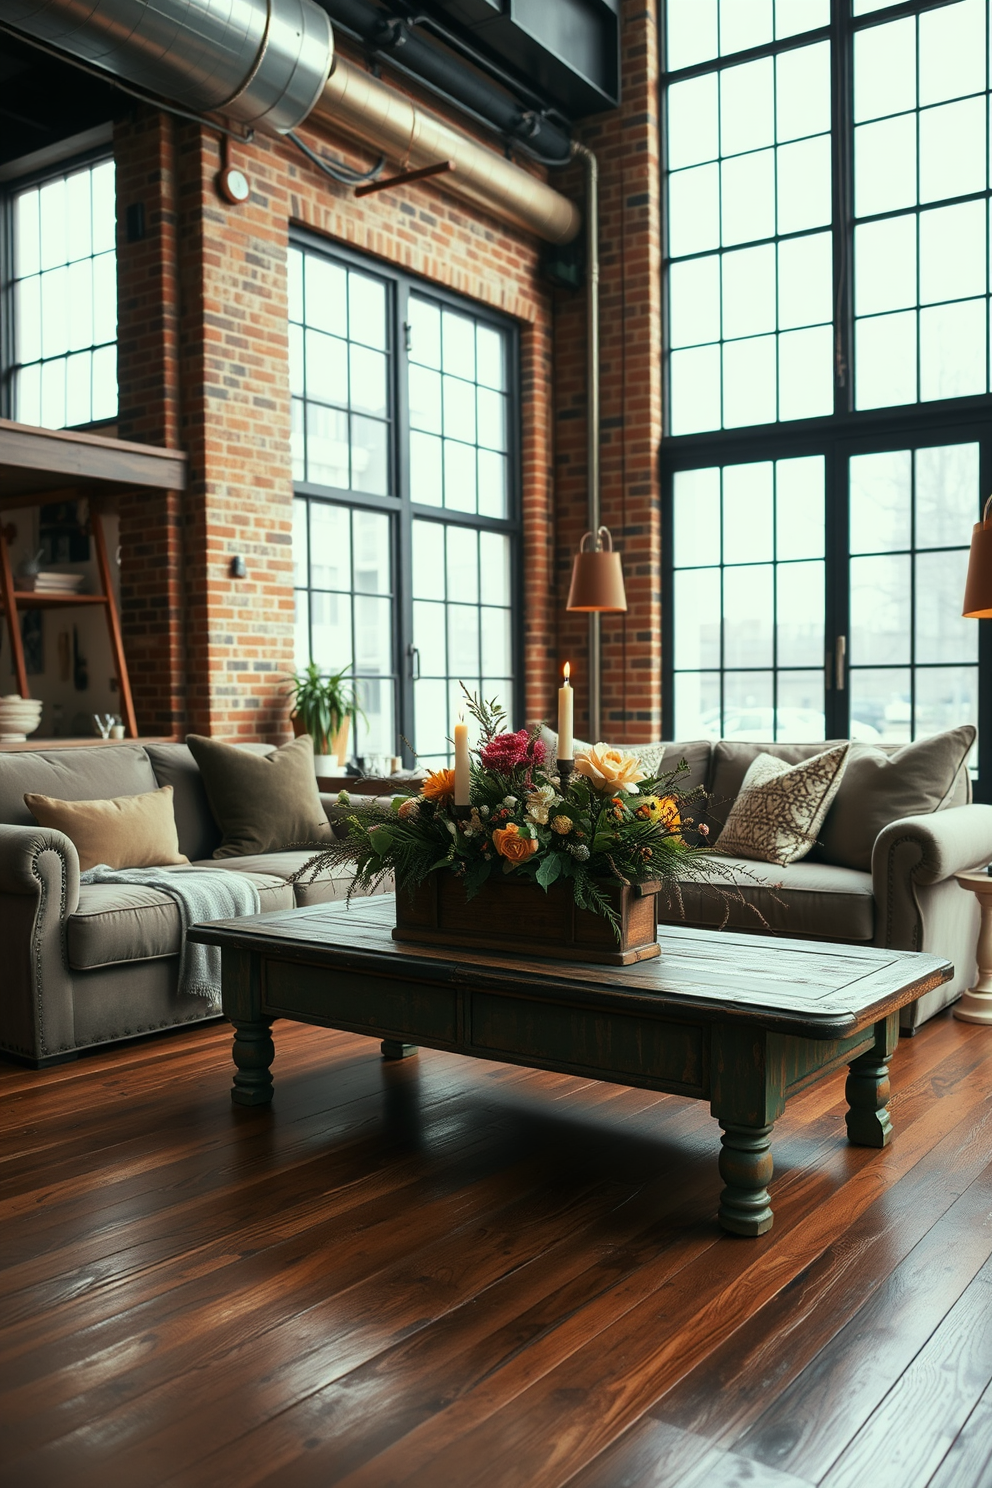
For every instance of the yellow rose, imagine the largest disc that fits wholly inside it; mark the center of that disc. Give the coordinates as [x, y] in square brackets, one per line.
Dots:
[609, 770]
[511, 846]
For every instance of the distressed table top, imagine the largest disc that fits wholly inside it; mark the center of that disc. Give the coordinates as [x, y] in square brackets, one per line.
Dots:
[810, 988]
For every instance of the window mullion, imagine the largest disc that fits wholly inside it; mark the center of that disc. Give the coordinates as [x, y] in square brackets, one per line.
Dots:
[842, 153]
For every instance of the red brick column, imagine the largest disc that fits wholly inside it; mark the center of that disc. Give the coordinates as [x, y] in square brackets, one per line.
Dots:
[626, 144]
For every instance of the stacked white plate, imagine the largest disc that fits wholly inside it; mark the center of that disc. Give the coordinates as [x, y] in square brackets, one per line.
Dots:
[18, 717]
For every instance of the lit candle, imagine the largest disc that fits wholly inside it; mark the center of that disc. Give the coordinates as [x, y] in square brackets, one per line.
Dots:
[462, 773]
[566, 700]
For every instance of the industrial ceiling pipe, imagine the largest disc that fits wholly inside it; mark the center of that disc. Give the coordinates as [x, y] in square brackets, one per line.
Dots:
[357, 104]
[260, 62]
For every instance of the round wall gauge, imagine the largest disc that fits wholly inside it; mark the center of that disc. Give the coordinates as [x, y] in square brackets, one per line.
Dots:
[233, 185]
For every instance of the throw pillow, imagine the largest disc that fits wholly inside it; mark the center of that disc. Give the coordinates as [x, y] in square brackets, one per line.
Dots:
[261, 802]
[881, 788]
[781, 807]
[127, 832]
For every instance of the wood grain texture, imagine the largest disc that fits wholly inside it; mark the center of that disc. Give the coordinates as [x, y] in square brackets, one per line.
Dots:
[448, 1272]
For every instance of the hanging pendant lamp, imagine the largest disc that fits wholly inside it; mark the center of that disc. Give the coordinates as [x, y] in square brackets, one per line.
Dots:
[597, 578]
[978, 588]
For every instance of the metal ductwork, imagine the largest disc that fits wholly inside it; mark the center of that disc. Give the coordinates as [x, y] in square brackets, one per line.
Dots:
[359, 105]
[261, 62]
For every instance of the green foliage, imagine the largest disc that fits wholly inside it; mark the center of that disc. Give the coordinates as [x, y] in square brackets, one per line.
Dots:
[571, 832]
[322, 703]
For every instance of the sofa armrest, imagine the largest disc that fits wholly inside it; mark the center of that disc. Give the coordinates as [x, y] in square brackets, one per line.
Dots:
[918, 852]
[39, 890]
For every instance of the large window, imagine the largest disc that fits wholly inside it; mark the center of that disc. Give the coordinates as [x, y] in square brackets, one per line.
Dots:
[827, 364]
[61, 294]
[406, 514]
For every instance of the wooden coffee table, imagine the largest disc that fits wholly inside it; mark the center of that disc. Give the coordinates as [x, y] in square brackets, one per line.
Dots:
[742, 1021]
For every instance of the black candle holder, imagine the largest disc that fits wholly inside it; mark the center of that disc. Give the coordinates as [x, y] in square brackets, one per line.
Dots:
[565, 768]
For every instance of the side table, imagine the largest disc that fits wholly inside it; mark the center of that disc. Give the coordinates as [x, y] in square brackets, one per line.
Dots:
[975, 1005]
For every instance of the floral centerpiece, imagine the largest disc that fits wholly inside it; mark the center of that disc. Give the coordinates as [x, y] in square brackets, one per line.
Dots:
[608, 824]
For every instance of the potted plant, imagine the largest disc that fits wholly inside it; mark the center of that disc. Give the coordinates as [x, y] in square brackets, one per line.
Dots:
[323, 707]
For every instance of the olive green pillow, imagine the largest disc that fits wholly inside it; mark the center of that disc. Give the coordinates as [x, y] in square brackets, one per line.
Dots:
[880, 788]
[261, 802]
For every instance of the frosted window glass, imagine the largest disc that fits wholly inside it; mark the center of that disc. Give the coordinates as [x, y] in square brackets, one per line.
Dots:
[885, 265]
[748, 191]
[804, 175]
[691, 34]
[806, 373]
[746, 107]
[694, 301]
[793, 17]
[749, 291]
[952, 350]
[881, 495]
[694, 210]
[885, 165]
[747, 513]
[802, 92]
[696, 504]
[885, 70]
[693, 128]
[952, 149]
[947, 498]
[799, 531]
[743, 24]
[805, 280]
[952, 51]
[749, 382]
[885, 360]
[952, 252]
[695, 396]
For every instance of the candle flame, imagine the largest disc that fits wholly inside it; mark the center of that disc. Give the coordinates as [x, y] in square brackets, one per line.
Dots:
[567, 671]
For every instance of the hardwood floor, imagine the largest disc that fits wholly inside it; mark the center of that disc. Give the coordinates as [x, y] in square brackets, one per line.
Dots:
[464, 1275]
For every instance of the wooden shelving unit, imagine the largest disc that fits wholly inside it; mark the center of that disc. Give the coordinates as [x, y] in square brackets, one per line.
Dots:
[39, 466]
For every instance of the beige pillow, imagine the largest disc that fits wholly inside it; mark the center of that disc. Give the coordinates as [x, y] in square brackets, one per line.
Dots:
[261, 802]
[881, 788]
[127, 832]
[781, 807]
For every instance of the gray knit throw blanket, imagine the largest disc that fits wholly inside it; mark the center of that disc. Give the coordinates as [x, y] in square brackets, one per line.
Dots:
[200, 894]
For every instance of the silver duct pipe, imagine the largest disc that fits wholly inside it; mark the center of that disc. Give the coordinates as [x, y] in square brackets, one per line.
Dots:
[261, 62]
[357, 104]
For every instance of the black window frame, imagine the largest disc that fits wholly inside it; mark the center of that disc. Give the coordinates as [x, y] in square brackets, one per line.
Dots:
[846, 431]
[400, 284]
[9, 188]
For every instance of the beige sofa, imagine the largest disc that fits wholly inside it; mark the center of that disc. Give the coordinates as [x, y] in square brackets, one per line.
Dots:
[90, 964]
[906, 900]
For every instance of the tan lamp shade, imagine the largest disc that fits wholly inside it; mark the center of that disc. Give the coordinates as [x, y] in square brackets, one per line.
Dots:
[978, 588]
[597, 578]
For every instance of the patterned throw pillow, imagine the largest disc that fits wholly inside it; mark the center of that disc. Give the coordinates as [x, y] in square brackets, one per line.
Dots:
[781, 807]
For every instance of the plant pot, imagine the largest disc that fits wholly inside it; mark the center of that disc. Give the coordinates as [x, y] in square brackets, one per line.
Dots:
[338, 744]
[515, 914]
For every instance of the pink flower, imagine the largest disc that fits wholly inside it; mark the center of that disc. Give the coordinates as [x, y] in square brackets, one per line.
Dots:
[507, 752]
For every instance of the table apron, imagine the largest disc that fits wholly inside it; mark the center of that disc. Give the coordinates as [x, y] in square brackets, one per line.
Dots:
[697, 1057]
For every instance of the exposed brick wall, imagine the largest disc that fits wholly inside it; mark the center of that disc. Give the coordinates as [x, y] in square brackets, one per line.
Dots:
[204, 363]
[626, 145]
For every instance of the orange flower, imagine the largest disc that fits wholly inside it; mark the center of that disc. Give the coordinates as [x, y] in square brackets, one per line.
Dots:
[439, 785]
[661, 809]
[511, 846]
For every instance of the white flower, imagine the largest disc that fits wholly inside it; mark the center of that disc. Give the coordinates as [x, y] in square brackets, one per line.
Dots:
[609, 770]
[510, 801]
[540, 802]
[452, 828]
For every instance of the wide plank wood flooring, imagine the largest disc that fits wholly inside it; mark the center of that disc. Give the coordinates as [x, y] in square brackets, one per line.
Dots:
[450, 1274]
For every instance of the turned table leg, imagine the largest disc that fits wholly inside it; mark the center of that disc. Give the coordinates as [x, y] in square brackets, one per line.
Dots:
[975, 1005]
[867, 1089]
[746, 1167]
[253, 1054]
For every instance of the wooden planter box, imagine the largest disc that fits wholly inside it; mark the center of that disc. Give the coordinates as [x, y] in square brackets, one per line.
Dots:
[516, 915]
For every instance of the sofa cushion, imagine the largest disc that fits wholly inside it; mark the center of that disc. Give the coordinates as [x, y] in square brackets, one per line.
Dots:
[174, 765]
[126, 832]
[817, 900]
[880, 787]
[731, 761]
[262, 803]
[325, 887]
[97, 773]
[129, 922]
[781, 807]
[656, 758]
